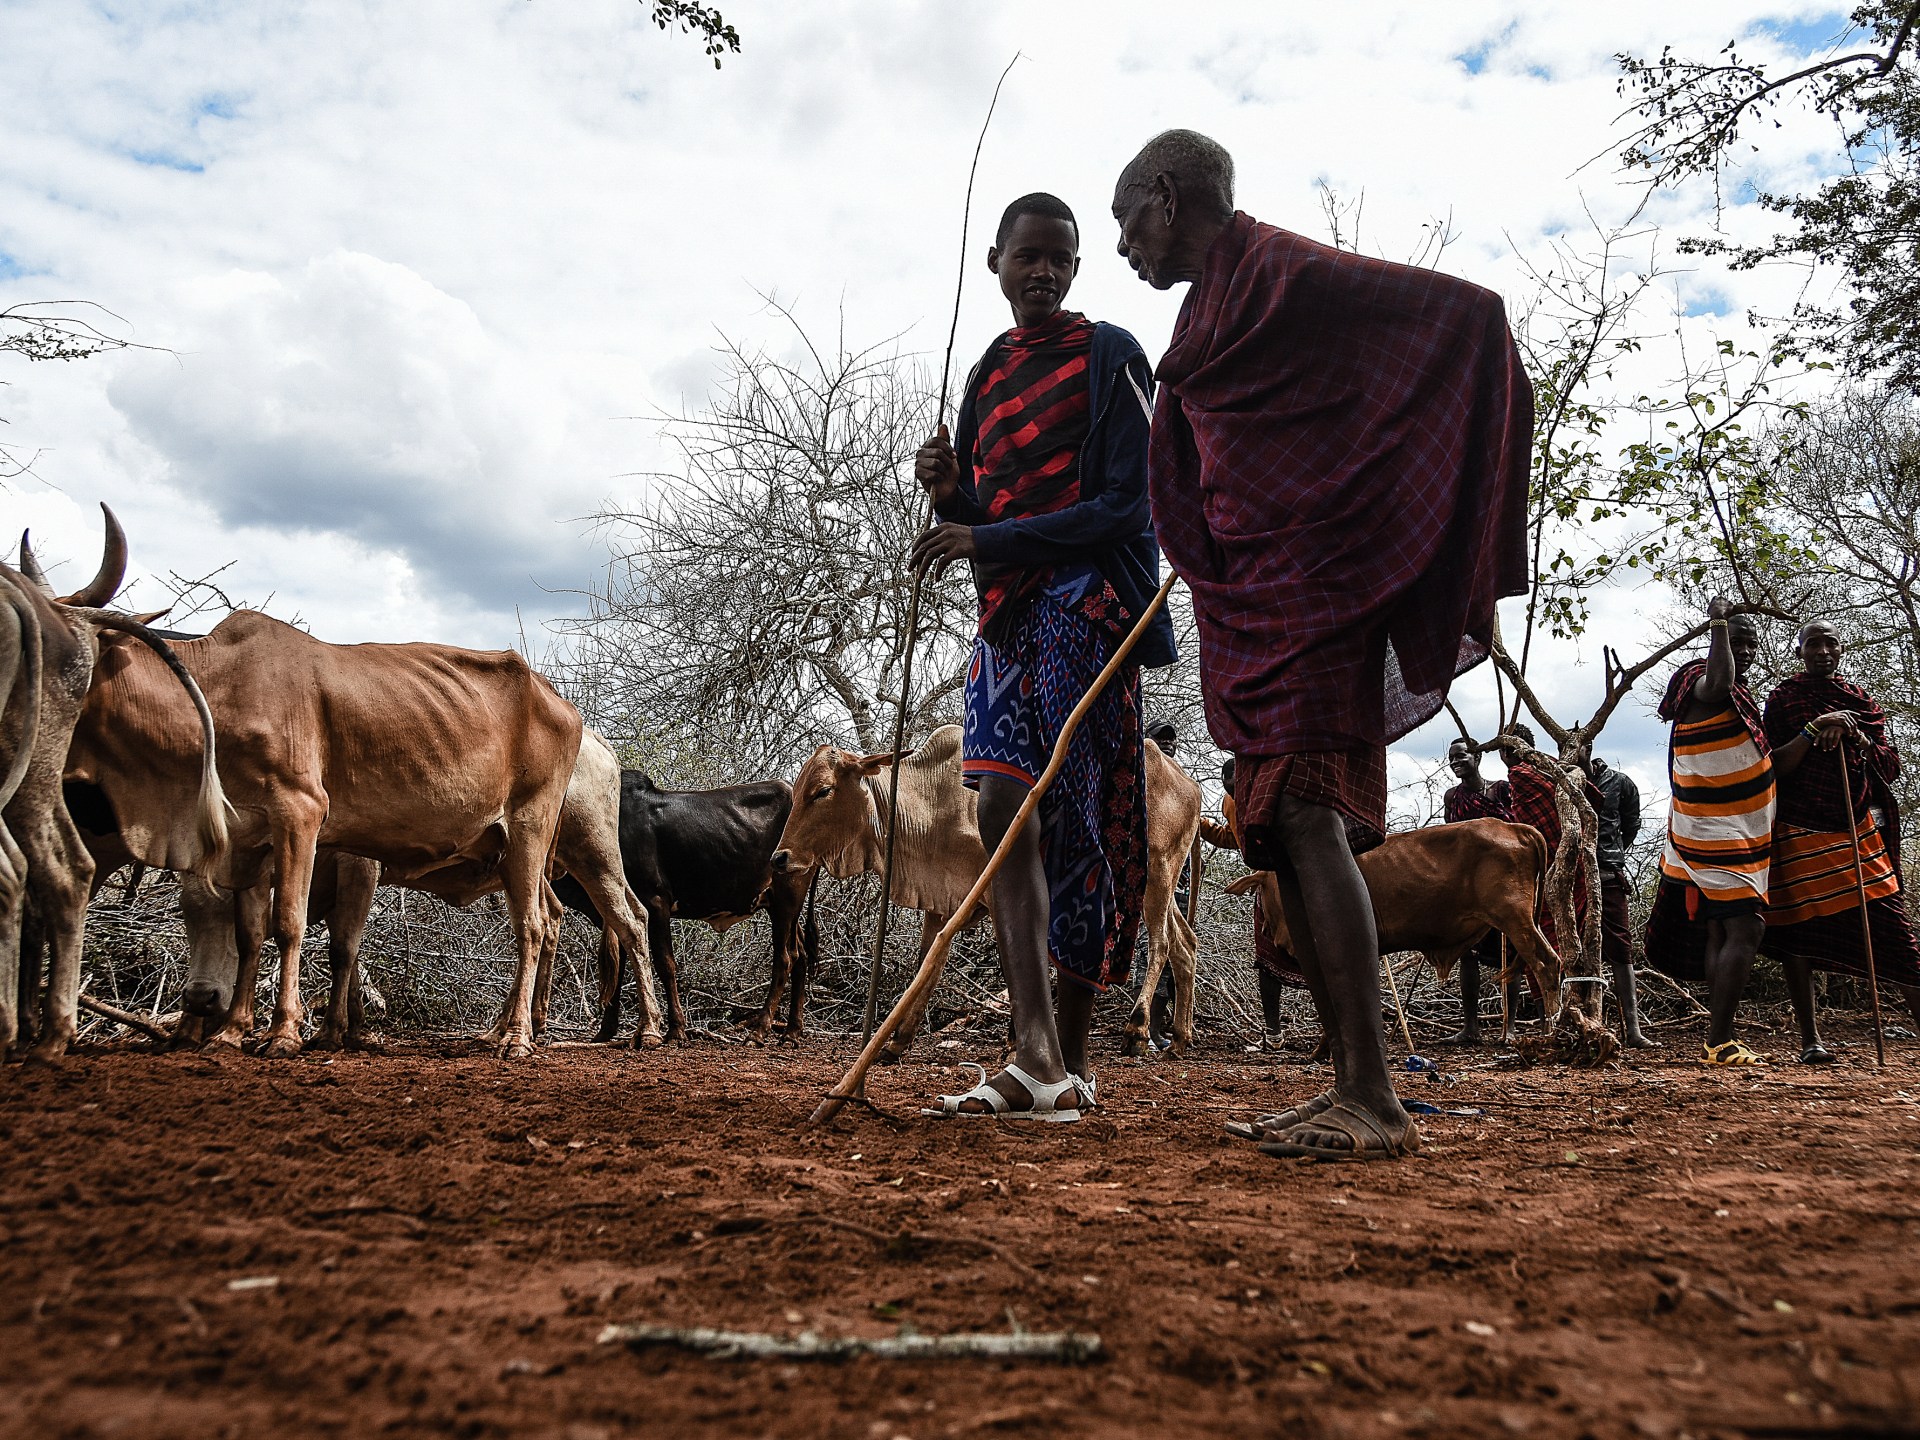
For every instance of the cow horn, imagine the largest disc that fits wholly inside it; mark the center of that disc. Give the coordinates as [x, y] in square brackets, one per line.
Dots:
[30, 567]
[113, 567]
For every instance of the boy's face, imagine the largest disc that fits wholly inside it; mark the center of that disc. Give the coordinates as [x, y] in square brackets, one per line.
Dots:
[1036, 266]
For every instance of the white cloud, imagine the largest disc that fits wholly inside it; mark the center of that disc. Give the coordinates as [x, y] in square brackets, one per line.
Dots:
[417, 262]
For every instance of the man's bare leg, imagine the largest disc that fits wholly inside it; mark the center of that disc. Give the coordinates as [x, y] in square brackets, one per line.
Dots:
[1020, 913]
[1731, 946]
[1800, 990]
[1469, 1031]
[1073, 1022]
[1330, 917]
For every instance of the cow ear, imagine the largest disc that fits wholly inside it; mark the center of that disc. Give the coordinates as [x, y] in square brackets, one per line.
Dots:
[1243, 884]
[871, 765]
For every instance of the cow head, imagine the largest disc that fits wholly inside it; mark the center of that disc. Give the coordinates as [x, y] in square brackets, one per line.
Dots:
[832, 811]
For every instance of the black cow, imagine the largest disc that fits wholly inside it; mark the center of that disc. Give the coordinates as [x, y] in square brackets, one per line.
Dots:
[704, 855]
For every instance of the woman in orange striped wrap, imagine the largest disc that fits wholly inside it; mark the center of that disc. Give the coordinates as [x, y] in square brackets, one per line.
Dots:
[1706, 921]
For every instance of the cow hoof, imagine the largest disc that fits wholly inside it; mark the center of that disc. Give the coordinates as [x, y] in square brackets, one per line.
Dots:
[515, 1050]
[327, 1040]
[224, 1040]
[791, 1036]
[47, 1052]
[280, 1047]
[1134, 1045]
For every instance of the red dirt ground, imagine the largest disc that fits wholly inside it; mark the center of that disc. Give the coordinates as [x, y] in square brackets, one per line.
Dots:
[1649, 1251]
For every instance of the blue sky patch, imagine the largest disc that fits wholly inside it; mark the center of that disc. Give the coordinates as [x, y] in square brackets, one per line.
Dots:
[1709, 300]
[1812, 36]
[10, 268]
[220, 107]
[1474, 60]
[165, 160]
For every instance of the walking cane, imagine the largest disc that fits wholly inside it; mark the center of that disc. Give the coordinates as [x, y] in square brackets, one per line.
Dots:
[913, 600]
[1866, 929]
[853, 1084]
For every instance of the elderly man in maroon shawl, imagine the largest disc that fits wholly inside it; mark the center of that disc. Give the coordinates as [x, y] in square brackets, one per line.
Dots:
[1339, 472]
[1813, 901]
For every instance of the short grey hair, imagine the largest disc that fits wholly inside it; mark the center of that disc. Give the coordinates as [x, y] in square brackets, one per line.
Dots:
[1800, 640]
[1202, 168]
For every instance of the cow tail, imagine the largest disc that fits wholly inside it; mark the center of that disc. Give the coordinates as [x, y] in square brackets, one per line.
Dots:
[26, 670]
[211, 808]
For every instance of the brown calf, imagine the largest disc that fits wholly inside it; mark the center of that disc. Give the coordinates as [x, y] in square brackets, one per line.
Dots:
[1440, 889]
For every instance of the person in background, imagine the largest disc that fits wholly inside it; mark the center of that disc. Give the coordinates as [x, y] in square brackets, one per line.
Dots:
[1706, 918]
[1474, 798]
[1619, 816]
[1813, 899]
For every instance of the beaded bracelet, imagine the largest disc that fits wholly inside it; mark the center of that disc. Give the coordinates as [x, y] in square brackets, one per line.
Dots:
[1810, 730]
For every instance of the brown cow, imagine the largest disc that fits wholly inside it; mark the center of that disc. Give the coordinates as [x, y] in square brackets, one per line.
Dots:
[586, 846]
[42, 841]
[839, 818]
[420, 756]
[1440, 889]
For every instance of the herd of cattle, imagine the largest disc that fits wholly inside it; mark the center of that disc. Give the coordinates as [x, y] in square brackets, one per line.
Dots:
[285, 778]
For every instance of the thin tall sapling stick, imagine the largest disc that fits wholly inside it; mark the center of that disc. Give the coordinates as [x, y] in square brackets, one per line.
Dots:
[913, 596]
[853, 1084]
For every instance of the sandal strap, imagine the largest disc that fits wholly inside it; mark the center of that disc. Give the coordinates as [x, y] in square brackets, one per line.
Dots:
[997, 1103]
[1044, 1099]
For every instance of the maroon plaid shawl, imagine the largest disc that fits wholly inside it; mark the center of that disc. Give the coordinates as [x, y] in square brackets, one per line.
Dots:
[1813, 797]
[1339, 460]
[1532, 804]
[1462, 802]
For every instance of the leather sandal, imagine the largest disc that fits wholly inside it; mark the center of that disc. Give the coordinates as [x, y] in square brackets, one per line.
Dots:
[1370, 1140]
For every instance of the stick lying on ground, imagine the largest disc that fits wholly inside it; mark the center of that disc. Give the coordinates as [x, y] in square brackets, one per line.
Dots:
[1065, 1347]
[146, 1026]
[853, 1084]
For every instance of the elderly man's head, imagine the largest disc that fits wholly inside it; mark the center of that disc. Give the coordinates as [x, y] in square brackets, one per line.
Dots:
[1173, 198]
[1819, 648]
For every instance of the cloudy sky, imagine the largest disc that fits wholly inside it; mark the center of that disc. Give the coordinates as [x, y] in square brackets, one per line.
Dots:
[421, 272]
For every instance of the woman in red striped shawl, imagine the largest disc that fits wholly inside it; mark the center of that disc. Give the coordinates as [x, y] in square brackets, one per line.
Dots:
[1813, 903]
[1339, 473]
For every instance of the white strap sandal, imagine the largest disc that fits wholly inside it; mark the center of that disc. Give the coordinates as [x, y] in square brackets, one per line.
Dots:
[1044, 1102]
[1089, 1090]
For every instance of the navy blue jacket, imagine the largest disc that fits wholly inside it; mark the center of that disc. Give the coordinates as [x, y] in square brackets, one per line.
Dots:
[1111, 525]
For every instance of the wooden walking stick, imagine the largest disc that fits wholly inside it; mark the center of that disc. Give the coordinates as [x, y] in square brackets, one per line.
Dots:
[1866, 929]
[853, 1084]
[913, 599]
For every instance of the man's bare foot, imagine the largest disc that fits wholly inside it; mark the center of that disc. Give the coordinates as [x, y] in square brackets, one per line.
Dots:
[1465, 1039]
[1272, 1127]
[1638, 1041]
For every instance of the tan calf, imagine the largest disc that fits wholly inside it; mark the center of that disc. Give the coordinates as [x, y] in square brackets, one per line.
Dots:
[839, 818]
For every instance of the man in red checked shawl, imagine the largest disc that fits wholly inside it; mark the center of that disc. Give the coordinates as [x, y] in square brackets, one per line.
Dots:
[1813, 901]
[1474, 798]
[1043, 488]
[1339, 473]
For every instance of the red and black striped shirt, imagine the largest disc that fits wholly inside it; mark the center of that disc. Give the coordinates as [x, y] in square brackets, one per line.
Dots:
[1034, 404]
